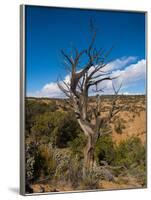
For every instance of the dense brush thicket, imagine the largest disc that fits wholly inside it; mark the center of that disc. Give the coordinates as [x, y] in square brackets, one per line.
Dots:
[54, 150]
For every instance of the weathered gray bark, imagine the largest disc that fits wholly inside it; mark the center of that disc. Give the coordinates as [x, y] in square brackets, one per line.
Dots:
[89, 148]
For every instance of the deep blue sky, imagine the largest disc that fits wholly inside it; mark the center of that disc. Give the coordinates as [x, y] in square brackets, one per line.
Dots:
[50, 29]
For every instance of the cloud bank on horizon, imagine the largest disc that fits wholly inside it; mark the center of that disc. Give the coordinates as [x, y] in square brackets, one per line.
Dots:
[131, 73]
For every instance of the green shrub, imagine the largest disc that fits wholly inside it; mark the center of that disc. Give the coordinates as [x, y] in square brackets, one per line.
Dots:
[129, 152]
[104, 149]
[77, 145]
[126, 154]
[39, 166]
[49, 163]
[33, 108]
[39, 162]
[65, 128]
[56, 127]
[42, 128]
[44, 163]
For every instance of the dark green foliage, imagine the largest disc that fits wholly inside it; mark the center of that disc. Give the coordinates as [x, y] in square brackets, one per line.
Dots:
[129, 152]
[77, 145]
[128, 157]
[104, 149]
[34, 108]
[39, 166]
[65, 128]
[44, 123]
[42, 128]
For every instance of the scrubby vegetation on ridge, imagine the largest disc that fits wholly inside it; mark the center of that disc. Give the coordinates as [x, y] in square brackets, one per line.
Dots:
[55, 143]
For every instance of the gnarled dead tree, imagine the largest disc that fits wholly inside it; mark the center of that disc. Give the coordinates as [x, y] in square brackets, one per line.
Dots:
[88, 77]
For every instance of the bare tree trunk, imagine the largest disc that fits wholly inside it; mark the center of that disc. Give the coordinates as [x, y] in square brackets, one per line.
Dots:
[89, 154]
[89, 148]
[84, 104]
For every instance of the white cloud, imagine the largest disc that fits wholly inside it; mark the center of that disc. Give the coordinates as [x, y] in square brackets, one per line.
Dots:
[128, 74]
[50, 90]
[132, 74]
[119, 63]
